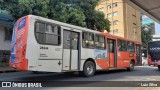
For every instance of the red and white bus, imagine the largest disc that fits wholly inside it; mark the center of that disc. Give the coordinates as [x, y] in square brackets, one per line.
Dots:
[41, 44]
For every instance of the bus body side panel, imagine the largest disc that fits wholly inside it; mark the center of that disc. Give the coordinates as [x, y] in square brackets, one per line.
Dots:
[19, 43]
[93, 53]
[32, 47]
[40, 58]
[124, 59]
[99, 56]
[153, 52]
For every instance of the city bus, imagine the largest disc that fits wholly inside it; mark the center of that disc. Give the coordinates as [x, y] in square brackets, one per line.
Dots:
[154, 53]
[44, 45]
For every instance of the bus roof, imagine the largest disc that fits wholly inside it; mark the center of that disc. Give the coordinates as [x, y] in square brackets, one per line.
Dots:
[80, 28]
[121, 38]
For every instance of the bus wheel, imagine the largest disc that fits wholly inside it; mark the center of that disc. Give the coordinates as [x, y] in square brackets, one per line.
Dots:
[131, 66]
[159, 67]
[88, 69]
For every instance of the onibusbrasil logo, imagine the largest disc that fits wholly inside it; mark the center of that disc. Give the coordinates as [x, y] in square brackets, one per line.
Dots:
[20, 84]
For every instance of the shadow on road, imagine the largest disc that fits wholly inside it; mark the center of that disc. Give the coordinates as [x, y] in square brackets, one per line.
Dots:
[99, 75]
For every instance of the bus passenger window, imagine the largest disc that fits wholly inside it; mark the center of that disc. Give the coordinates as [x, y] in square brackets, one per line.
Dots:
[88, 40]
[49, 35]
[99, 42]
[40, 35]
[130, 47]
[122, 45]
[40, 27]
[52, 36]
[111, 45]
[49, 29]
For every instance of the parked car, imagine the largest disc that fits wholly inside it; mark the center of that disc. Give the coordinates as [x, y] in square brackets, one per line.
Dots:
[144, 61]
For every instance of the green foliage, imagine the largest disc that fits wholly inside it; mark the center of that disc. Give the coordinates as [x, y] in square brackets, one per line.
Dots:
[77, 12]
[146, 36]
[94, 19]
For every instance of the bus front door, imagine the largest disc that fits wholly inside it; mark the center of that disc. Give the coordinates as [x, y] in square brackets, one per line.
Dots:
[70, 50]
[112, 53]
[138, 54]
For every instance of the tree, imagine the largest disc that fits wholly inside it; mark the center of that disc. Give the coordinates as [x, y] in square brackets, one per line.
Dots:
[94, 19]
[77, 12]
[19, 8]
[63, 12]
[146, 37]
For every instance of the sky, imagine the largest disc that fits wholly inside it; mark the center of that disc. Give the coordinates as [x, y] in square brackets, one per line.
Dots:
[157, 27]
[147, 20]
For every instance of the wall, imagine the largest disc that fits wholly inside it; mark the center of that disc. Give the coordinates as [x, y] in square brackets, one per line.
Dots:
[129, 23]
[4, 44]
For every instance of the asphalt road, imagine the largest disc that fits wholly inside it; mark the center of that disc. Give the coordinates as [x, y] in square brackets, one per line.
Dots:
[141, 73]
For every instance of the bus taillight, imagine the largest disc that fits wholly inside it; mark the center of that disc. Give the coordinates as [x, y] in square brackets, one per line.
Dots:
[149, 60]
[24, 51]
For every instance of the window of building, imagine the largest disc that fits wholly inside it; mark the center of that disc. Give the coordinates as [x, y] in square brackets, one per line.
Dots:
[88, 40]
[114, 5]
[115, 31]
[134, 24]
[99, 42]
[47, 34]
[133, 15]
[109, 15]
[130, 47]
[115, 13]
[8, 33]
[109, 7]
[122, 45]
[101, 9]
[134, 32]
[115, 22]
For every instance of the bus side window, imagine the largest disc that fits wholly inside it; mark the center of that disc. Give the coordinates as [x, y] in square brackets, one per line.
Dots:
[47, 33]
[88, 40]
[99, 42]
[84, 40]
[130, 47]
[40, 27]
[40, 32]
[122, 45]
[111, 47]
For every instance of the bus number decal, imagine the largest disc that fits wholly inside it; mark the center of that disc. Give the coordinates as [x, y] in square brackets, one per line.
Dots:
[43, 47]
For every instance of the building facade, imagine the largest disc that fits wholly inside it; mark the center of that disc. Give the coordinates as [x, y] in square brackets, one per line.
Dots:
[5, 37]
[125, 21]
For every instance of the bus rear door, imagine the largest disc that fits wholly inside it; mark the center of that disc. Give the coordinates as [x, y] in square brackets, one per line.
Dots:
[70, 50]
[138, 54]
[112, 53]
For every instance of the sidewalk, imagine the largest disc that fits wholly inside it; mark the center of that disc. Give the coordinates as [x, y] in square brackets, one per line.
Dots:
[5, 69]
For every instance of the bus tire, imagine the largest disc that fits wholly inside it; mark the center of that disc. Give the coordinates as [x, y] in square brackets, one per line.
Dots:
[131, 66]
[158, 67]
[88, 69]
